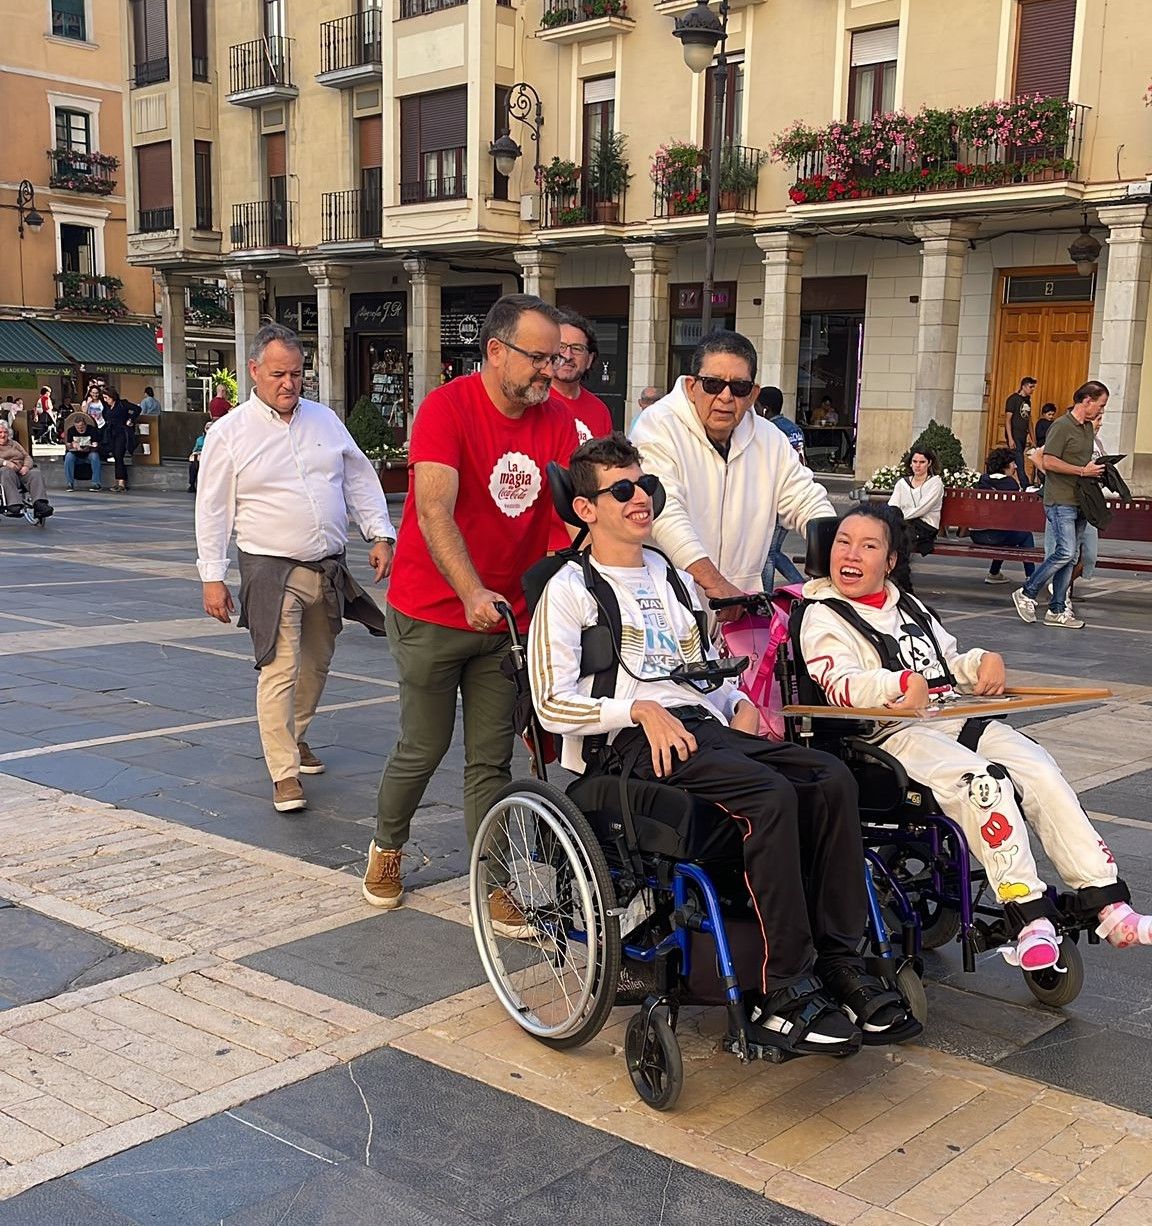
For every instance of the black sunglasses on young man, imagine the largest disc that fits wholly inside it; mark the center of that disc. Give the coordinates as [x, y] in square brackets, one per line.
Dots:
[625, 488]
[713, 386]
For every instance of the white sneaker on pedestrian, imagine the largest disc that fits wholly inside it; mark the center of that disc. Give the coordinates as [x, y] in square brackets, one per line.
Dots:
[1067, 619]
[998, 577]
[1025, 605]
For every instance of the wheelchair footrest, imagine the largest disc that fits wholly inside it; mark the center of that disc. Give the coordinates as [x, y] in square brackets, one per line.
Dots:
[760, 1051]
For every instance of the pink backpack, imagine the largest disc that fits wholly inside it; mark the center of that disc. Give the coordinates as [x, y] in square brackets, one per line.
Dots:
[760, 637]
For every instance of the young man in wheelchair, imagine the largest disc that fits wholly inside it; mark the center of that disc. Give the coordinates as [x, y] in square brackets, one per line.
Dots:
[867, 644]
[796, 808]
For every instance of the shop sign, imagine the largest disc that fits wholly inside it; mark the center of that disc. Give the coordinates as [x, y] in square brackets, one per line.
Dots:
[378, 313]
[299, 314]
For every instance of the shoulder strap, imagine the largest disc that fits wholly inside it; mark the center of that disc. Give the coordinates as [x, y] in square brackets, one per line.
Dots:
[922, 616]
[604, 679]
[884, 644]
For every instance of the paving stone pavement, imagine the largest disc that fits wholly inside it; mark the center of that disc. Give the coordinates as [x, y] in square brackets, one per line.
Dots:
[200, 1021]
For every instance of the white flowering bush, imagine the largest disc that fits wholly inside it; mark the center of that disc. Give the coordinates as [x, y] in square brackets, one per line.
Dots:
[885, 478]
[960, 478]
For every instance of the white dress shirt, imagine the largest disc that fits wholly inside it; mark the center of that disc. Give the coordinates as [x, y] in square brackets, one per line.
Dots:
[288, 487]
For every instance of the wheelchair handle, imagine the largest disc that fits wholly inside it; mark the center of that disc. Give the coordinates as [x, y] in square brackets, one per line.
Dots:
[505, 611]
[753, 602]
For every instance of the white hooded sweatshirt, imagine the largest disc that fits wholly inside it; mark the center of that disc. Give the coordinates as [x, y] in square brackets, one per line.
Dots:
[849, 669]
[724, 510]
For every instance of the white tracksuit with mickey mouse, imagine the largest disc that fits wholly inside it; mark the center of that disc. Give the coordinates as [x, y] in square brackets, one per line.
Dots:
[969, 786]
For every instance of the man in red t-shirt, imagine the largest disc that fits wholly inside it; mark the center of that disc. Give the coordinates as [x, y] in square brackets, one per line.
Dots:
[477, 516]
[592, 416]
[220, 403]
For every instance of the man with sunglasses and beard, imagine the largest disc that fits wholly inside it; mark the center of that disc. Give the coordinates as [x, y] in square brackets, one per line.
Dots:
[477, 516]
[795, 808]
[730, 475]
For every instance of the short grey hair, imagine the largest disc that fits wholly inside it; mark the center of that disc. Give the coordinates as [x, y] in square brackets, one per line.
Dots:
[503, 319]
[270, 334]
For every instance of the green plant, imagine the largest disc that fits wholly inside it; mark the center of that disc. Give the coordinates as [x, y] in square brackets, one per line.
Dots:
[608, 173]
[367, 426]
[740, 168]
[676, 166]
[941, 440]
[560, 178]
[561, 16]
[574, 215]
[228, 379]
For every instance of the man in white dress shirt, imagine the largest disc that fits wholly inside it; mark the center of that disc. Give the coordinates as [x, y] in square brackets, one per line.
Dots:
[288, 475]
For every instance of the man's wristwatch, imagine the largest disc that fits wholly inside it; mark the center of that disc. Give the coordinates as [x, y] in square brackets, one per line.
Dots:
[383, 540]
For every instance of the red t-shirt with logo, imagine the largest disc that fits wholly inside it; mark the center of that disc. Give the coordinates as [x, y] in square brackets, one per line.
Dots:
[593, 419]
[503, 507]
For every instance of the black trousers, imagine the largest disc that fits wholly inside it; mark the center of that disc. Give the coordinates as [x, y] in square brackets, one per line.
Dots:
[803, 855]
[120, 441]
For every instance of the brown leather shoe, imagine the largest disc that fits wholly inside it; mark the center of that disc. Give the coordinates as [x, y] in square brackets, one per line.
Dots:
[310, 764]
[382, 886]
[507, 918]
[288, 796]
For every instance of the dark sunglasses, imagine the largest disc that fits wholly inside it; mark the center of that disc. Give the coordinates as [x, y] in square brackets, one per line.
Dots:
[624, 489]
[713, 386]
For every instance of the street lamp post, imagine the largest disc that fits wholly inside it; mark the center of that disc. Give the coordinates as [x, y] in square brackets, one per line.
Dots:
[27, 215]
[701, 32]
[523, 104]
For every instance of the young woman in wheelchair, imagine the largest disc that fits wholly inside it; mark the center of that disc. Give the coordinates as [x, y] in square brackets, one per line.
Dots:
[985, 775]
[796, 808]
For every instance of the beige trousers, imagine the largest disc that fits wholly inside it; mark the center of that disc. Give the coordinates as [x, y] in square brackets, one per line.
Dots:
[291, 682]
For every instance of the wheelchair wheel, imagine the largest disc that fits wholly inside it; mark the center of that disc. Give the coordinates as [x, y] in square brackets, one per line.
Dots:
[558, 978]
[911, 987]
[654, 1061]
[1059, 985]
[939, 923]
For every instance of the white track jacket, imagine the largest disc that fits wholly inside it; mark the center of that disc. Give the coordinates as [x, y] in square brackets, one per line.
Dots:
[724, 510]
[562, 698]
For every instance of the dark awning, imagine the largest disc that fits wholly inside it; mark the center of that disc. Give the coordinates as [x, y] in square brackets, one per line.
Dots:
[109, 348]
[22, 348]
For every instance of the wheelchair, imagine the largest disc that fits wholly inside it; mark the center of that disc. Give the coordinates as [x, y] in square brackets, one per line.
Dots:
[28, 510]
[633, 895]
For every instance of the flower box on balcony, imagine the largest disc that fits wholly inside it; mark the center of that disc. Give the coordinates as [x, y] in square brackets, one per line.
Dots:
[73, 171]
[90, 295]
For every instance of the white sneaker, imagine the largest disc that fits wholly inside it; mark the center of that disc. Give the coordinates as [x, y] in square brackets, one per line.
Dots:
[1067, 619]
[1025, 605]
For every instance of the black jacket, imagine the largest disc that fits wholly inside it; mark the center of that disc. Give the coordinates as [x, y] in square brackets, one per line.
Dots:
[1090, 496]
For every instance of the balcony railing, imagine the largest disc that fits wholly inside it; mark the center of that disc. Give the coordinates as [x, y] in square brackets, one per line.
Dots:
[569, 12]
[683, 187]
[149, 72]
[351, 216]
[88, 294]
[582, 207]
[72, 171]
[208, 306]
[1046, 154]
[263, 63]
[262, 223]
[417, 8]
[351, 42]
[157, 219]
[438, 187]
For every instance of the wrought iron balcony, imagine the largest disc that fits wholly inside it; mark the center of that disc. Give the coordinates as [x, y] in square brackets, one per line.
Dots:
[350, 49]
[417, 8]
[262, 223]
[451, 183]
[208, 306]
[151, 220]
[582, 207]
[149, 72]
[682, 188]
[261, 71]
[572, 20]
[72, 171]
[351, 216]
[88, 294]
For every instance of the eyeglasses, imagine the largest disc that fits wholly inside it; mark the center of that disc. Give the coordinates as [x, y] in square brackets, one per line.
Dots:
[738, 387]
[539, 360]
[624, 489]
[577, 351]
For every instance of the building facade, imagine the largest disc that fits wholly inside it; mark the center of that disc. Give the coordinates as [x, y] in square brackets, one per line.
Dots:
[71, 307]
[328, 165]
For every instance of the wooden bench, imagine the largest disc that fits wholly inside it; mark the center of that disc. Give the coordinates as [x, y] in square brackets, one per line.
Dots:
[999, 510]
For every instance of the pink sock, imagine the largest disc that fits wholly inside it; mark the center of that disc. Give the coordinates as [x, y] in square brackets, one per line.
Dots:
[1121, 926]
[1037, 947]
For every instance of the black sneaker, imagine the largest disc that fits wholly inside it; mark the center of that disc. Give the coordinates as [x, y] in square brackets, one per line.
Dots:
[805, 1019]
[42, 508]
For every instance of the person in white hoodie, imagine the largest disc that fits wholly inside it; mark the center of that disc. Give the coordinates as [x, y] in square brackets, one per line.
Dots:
[906, 661]
[795, 807]
[730, 475]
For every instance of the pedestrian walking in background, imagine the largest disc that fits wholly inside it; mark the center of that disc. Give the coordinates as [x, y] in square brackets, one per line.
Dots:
[194, 458]
[1047, 417]
[119, 433]
[1018, 423]
[288, 475]
[770, 406]
[149, 404]
[648, 397]
[477, 516]
[220, 404]
[1000, 473]
[1068, 452]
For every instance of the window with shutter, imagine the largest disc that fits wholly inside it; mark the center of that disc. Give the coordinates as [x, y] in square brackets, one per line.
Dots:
[154, 186]
[276, 168]
[370, 140]
[202, 161]
[731, 132]
[1045, 31]
[433, 146]
[199, 33]
[872, 75]
[150, 41]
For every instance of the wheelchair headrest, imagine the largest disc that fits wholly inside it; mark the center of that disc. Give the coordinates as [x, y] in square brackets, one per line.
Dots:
[560, 483]
[818, 559]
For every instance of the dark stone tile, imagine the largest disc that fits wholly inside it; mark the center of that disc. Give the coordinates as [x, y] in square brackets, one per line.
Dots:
[979, 1027]
[1127, 797]
[42, 957]
[60, 1203]
[201, 1174]
[381, 963]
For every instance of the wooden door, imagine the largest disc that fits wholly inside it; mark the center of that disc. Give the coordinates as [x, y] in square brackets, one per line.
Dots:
[1050, 342]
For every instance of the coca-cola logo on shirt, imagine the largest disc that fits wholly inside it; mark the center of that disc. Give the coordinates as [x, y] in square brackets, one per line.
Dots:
[515, 483]
[583, 434]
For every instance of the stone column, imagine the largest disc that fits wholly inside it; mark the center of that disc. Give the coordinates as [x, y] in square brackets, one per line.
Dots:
[245, 285]
[780, 344]
[539, 271]
[1125, 321]
[944, 248]
[423, 326]
[331, 308]
[648, 320]
[175, 355]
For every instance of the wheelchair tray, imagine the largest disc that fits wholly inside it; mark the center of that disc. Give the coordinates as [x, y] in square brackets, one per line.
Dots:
[971, 706]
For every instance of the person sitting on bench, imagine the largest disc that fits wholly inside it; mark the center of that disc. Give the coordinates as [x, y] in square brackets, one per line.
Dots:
[83, 446]
[868, 644]
[18, 473]
[795, 808]
[1000, 474]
